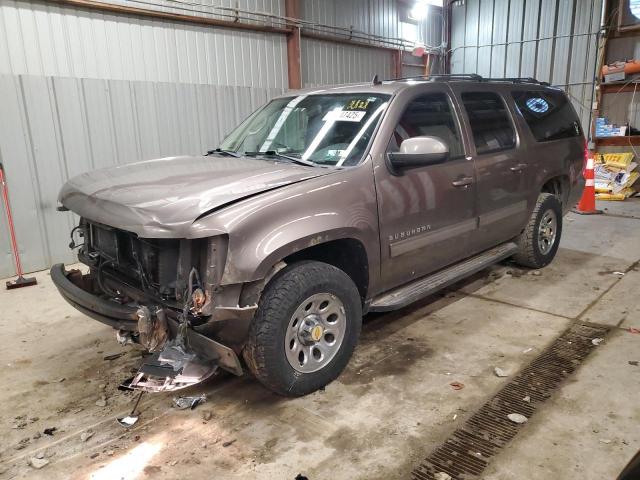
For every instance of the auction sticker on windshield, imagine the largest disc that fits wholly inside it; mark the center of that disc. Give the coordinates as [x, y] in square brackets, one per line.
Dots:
[350, 115]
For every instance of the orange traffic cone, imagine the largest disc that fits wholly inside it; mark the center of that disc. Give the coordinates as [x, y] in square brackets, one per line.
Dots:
[587, 203]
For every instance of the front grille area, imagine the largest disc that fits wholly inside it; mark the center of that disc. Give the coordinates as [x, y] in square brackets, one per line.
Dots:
[150, 263]
[468, 451]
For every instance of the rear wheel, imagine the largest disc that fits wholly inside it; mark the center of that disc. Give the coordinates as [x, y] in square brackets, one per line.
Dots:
[305, 329]
[539, 241]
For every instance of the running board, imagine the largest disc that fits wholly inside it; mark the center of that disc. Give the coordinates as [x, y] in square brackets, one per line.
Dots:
[402, 296]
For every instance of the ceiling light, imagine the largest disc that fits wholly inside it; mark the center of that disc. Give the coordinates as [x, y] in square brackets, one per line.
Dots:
[418, 11]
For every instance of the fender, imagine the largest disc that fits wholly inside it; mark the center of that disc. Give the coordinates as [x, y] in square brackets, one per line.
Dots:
[267, 228]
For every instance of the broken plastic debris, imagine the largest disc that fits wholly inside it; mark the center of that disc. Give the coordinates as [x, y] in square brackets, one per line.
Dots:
[86, 435]
[597, 341]
[128, 421]
[457, 385]
[442, 476]
[527, 350]
[605, 440]
[634, 330]
[527, 399]
[182, 403]
[174, 368]
[499, 372]
[131, 419]
[620, 274]
[38, 463]
[517, 418]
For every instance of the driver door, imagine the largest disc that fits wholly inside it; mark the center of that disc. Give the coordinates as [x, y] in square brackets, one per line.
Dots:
[426, 214]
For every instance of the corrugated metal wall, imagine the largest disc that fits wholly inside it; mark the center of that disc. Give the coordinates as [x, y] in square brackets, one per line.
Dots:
[83, 89]
[325, 63]
[489, 37]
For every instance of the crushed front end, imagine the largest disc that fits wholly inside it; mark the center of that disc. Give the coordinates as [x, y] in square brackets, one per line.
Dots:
[163, 294]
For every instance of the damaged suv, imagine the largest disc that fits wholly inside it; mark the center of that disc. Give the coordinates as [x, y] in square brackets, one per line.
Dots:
[321, 206]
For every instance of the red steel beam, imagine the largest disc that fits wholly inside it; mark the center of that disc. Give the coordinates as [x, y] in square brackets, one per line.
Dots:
[294, 69]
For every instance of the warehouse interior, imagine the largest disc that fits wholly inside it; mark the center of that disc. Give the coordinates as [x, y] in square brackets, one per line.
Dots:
[433, 386]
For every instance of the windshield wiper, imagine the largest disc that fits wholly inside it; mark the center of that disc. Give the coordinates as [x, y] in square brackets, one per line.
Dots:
[219, 151]
[273, 153]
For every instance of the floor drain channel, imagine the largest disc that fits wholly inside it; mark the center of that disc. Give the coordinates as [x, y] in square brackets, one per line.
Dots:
[466, 453]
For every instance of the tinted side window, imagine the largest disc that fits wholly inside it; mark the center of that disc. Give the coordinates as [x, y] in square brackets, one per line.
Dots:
[489, 121]
[548, 114]
[428, 115]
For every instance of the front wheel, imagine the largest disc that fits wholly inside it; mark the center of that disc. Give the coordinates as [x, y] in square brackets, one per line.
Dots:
[305, 329]
[539, 241]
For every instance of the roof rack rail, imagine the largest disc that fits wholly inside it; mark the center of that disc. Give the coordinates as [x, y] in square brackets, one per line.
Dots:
[472, 77]
[453, 76]
[518, 80]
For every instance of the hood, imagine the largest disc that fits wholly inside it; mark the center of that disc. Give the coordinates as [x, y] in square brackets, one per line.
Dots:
[161, 198]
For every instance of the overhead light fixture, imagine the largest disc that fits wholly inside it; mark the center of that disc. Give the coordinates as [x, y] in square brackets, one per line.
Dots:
[419, 10]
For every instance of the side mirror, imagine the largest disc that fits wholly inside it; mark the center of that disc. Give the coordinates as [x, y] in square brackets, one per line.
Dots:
[418, 152]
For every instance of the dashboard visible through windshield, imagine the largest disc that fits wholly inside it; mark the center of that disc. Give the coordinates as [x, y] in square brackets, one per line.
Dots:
[332, 129]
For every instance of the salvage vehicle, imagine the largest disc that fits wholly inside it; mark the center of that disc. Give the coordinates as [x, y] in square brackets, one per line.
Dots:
[323, 205]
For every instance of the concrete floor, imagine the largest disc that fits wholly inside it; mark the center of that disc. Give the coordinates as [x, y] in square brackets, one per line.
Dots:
[393, 404]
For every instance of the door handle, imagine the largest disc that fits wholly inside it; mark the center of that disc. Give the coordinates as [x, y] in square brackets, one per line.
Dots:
[463, 182]
[518, 168]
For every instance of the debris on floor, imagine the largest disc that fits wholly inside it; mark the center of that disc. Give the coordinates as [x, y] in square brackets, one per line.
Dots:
[517, 418]
[457, 385]
[182, 403]
[527, 399]
[38, 463]
[500, 372]
[229, 443]
[84, 436]
[49, 431]
[102, 401]
[597, 341]
[442, 476]
[633, 362]
[113, 356]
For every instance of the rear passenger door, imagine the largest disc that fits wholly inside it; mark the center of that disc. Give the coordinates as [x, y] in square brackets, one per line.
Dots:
[501, 193]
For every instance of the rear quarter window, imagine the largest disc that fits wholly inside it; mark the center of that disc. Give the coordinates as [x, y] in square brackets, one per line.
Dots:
[548, 114]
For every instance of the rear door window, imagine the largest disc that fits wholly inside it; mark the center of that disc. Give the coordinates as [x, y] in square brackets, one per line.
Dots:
[429, 115]
[548, 114]
[489, 121]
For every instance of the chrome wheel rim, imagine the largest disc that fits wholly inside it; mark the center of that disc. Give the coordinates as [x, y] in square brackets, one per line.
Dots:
[547, 231]
[315, 332]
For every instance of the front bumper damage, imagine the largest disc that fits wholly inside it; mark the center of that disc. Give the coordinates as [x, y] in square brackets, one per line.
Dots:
[184, 357]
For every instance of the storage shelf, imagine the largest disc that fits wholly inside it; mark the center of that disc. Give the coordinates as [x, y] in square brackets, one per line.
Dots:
[618, 141]
[618, 88]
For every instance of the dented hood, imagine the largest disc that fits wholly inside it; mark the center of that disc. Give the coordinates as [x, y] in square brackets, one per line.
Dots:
[161, 198]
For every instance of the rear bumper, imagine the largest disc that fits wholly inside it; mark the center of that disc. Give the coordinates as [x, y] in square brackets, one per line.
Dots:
[124, 317]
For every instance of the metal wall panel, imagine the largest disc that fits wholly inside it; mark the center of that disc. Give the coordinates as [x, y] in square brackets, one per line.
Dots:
[376, 17]
[52, 40]
[328, 63]
[530, 29]
[52, 128]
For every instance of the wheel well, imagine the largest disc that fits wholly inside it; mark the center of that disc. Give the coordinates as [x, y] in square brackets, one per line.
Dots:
[349, 255]
[557, 186]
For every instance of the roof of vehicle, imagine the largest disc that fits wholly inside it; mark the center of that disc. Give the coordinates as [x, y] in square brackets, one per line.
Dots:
[395, 85]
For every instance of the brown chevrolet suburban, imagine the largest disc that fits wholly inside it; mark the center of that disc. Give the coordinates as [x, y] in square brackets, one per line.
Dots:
[323, 205]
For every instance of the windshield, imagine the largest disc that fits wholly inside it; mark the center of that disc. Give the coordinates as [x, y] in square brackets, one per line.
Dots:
[332, 129]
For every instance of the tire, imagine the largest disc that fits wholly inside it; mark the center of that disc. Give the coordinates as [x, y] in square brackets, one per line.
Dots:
[282, 322]
[533, 250]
